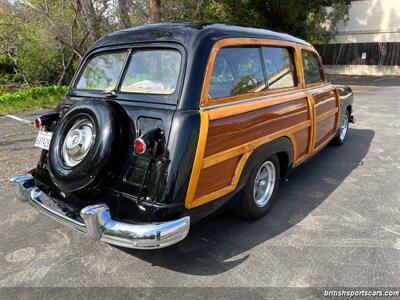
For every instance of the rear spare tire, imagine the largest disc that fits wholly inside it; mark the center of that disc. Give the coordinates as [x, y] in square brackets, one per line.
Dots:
[82, 144]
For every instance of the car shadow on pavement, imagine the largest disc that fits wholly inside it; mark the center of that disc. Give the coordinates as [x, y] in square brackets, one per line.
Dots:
[221, 242]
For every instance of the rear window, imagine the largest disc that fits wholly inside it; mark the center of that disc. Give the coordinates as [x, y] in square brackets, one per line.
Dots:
[147, 72]
[152, 72]
[236, 71]
[102, 72]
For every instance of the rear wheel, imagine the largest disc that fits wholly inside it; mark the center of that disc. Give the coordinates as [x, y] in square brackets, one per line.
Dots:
[260, 190]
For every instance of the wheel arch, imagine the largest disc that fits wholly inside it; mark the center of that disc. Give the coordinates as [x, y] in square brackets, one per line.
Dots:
[282, 147]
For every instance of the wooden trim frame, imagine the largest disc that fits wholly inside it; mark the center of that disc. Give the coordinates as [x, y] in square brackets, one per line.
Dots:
[198, 159]
[218, 109]
[237, 42]
[337, 122]
[312, 149]
[312, 51]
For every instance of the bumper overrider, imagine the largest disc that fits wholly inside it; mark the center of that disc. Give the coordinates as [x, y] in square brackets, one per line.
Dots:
[99, 225]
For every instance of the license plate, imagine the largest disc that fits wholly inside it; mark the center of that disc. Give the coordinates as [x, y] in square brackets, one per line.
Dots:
[43, 139]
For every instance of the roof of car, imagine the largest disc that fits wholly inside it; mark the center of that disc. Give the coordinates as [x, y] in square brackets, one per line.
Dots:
[189, 34]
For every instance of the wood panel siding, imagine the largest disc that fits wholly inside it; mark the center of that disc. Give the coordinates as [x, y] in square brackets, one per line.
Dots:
[325, 106]
[233, 127]
[325, 129]
[216, 177]
[236, 130]
[302, 138]
[325, 102]
[230, 140]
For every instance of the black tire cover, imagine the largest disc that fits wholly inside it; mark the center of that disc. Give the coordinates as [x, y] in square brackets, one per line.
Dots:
[107, 133]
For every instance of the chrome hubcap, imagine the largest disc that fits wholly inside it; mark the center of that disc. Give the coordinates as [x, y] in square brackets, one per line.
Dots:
[264, 184]
[344, 127]
[77, 142]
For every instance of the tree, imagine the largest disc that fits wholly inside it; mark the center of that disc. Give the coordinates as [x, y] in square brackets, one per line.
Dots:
[155, 6]
[302, 18]
[46, 39]
[91, 19]
[124, 13]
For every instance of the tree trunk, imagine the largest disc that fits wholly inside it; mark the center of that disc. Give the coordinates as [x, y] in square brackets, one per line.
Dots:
[66, 68]
[123, 12]
[155, 10]
[91, 19]
[71, 60]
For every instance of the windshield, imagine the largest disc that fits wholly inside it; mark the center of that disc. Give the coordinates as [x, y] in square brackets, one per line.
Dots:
[148, 71]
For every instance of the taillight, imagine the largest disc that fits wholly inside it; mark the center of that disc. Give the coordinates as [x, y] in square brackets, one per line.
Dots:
[139, 146]
[38, 123]
[152, 142]
[46, 119]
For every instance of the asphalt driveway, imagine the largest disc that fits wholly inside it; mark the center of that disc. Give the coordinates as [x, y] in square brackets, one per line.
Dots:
[337, 223]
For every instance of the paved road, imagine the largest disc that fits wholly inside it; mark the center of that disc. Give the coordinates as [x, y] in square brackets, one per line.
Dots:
[337, 223]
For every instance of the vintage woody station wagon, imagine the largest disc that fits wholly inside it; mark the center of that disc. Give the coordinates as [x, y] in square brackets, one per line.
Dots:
[163, 124]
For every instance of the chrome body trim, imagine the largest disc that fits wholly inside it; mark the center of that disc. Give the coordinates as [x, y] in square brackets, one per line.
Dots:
[38, 200]
[347, 96]
[97, 221]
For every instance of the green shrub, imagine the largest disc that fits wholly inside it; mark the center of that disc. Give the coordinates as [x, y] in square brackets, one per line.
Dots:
[6, 64]
[3, 89]
[39, 58]
[32, 98]
[17, 77]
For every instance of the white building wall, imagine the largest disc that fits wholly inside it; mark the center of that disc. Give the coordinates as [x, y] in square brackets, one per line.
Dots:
[371, 21]
[362, 70]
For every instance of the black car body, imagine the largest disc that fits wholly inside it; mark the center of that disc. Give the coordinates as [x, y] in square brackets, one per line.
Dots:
[138, 197]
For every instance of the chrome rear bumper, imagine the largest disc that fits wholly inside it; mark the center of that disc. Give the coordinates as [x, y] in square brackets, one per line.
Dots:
[99, 225]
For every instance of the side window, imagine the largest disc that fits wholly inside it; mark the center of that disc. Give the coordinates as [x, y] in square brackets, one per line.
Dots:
[312, 69]
[236, 70]
[279, 66]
